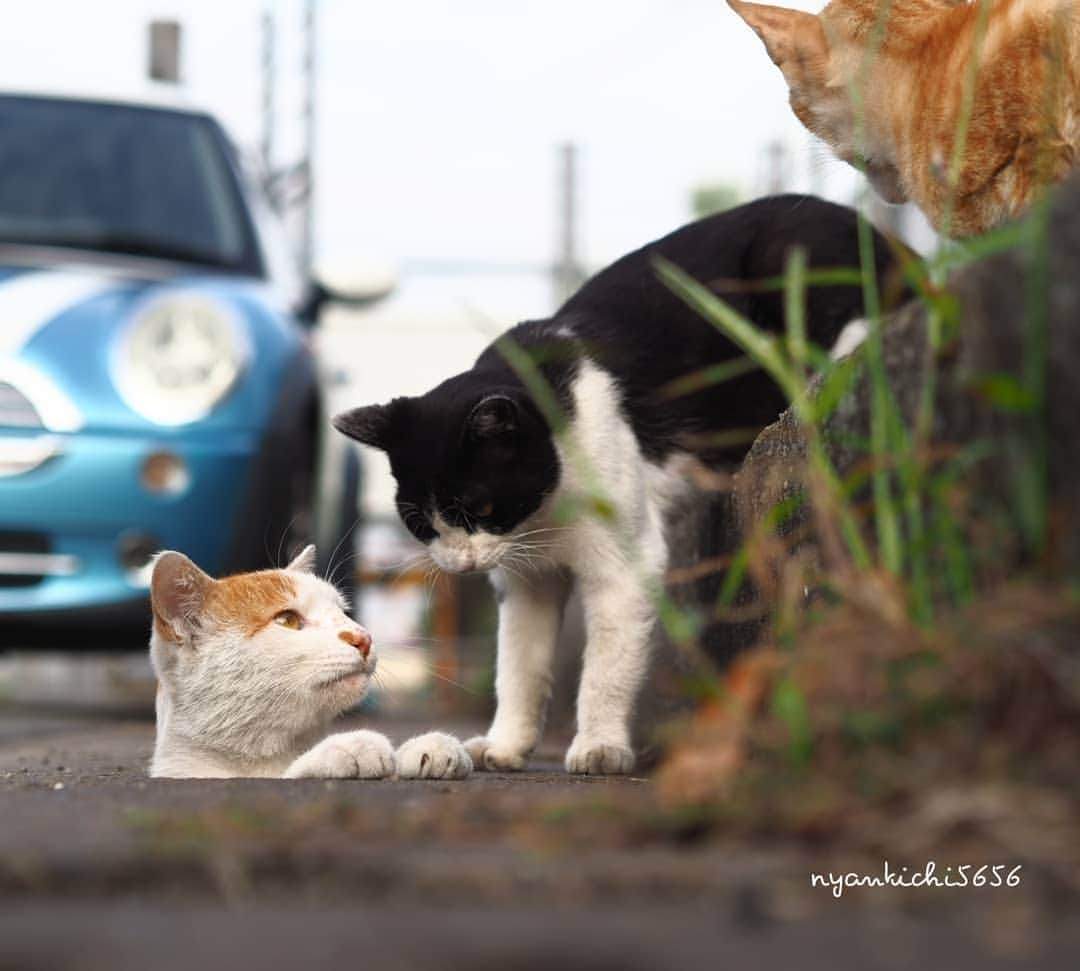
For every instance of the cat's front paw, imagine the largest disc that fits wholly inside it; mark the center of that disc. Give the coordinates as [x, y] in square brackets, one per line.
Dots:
[435, 755]
[592, 757]
[490, 756]
[347, 755]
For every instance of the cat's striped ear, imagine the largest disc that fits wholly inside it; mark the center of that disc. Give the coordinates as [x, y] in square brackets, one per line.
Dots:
[178, 590]
[304, 561]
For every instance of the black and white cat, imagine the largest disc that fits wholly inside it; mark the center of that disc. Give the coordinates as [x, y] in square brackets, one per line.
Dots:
[483, 482]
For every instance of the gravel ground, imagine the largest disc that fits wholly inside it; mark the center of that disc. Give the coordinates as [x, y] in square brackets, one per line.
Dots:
[102, 868]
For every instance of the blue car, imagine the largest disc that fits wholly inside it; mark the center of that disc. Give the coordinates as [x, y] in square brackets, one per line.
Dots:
[158, 388]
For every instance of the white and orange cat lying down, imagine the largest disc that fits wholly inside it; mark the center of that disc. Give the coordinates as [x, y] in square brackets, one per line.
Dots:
[251, 671]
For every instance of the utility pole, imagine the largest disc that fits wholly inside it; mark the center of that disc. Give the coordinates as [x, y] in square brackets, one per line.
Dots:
[568, 274]
[164, 60]
[307, 163]
[268, 69]
[776, 165]
[817, 173]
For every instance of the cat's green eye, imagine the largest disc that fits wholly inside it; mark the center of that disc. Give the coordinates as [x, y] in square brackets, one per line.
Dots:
[290, 619]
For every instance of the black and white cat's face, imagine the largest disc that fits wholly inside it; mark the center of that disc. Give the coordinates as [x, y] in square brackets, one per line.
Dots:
[473, 462]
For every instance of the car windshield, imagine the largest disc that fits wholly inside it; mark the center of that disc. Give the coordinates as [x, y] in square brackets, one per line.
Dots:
[120, 179]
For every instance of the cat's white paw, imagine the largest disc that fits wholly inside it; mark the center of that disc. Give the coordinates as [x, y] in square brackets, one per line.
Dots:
[347, 755]
[590, 757]
[434, 755]
[489, 756]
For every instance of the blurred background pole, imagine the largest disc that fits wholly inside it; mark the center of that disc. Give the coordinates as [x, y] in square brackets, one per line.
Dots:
[307, 232]
[568, 275]
[776, 168]
[164, 51]
[269, 82]
[815, 166]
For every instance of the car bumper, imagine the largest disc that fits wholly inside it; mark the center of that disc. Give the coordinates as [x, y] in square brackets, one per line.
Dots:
[84, 508]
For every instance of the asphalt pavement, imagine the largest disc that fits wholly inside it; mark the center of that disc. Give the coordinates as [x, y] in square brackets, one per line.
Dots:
[104, 868]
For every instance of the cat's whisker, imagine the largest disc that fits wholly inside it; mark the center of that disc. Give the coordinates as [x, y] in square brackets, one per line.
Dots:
[521, 559]
[442, 677]
[431, 577]
[514, 572]
[402, 568]
[342, 564]
[539, 549]
[534, 556]
[378, 681]
[538, 544]
[470, 522]
[534, 532]
[401, 573]
[435, 673]
[384, 669]
[348, 535]
[281, 541]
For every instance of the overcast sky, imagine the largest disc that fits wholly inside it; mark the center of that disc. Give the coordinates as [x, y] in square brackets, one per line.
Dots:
[439, 119]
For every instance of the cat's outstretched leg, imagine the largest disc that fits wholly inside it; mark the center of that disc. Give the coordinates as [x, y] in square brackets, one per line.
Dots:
[347, 755]
[530, 615]
[434, 755]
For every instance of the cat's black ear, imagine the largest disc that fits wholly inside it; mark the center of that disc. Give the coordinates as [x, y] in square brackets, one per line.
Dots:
[494, 417]
[370, 425]
[178, 590]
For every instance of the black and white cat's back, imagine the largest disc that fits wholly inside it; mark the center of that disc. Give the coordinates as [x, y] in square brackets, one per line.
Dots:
[484, 482]
[629, 323]
[478, 437]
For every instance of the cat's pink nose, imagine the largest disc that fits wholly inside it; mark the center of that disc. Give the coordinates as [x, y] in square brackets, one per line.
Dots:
[359, 638]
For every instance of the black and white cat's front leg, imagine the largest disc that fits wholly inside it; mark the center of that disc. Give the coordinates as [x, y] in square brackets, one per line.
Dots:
[530, 616]
[619, 618]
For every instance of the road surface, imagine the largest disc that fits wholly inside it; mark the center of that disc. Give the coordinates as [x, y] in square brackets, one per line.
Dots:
[103, 868]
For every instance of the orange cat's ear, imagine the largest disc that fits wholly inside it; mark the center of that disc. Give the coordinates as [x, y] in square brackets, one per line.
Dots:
[178, 591]
[304, 562]
[795, 40]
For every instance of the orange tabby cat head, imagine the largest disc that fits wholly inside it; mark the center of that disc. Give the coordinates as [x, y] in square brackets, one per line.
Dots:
[910, 62]
[820, 57]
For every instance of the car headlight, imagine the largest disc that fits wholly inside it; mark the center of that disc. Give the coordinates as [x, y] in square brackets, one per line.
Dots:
[179, 358]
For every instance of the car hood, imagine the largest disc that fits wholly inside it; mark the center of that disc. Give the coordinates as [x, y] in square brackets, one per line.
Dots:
[61, 324]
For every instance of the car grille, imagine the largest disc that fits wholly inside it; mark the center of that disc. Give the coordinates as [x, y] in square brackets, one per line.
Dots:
[16, 410]
[22, 544]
